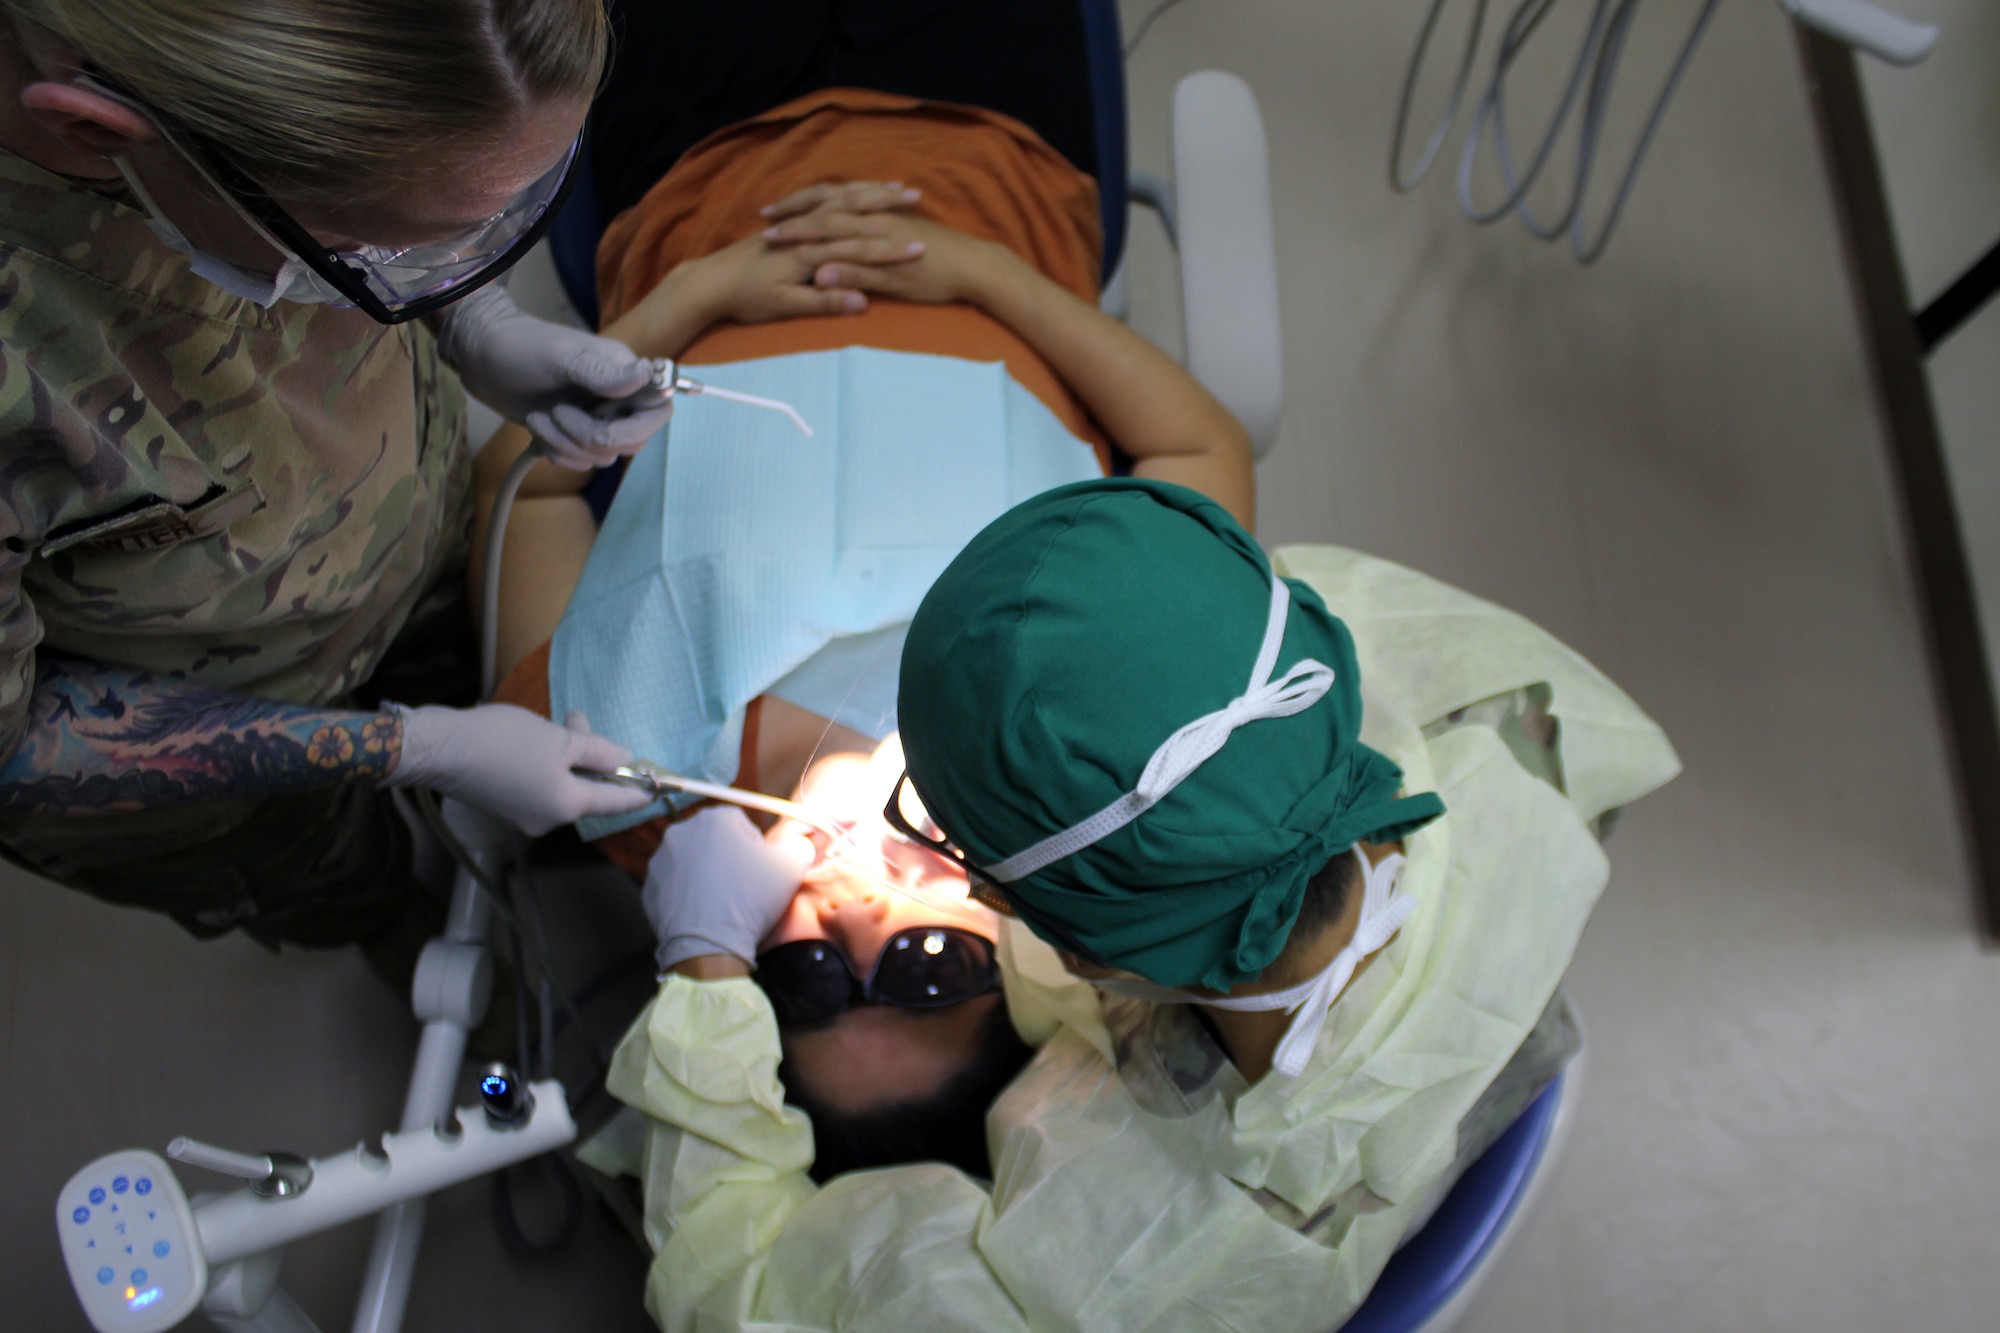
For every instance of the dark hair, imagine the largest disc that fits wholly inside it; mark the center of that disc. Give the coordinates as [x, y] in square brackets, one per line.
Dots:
[1325, 900]
[947, 1126]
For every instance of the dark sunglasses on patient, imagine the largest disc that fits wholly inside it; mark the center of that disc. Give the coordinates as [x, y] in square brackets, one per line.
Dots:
[882, 971]
[876, 920]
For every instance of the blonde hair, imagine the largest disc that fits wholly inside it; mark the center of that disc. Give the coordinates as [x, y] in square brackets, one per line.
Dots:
[336, 99]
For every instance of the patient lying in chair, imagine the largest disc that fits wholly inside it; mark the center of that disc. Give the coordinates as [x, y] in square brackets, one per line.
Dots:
[855, 219]
[1127, 1172]
[761, 243]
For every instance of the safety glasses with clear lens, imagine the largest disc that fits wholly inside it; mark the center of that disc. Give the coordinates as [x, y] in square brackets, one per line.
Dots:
[985, 889]
[392, 285]
[397, 285]
[926, 967]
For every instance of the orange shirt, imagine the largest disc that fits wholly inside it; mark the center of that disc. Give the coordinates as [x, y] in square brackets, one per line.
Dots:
[981, 173]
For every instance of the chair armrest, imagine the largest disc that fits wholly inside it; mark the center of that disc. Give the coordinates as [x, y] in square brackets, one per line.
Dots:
[1228, 254]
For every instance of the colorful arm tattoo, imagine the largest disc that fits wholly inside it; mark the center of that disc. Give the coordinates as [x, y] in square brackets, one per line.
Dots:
[103, 740]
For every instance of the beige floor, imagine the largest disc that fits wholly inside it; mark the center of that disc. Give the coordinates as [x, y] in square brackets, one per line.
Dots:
[1672, 460]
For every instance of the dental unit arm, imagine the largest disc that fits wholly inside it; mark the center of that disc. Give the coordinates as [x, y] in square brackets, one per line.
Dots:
[143, 1256]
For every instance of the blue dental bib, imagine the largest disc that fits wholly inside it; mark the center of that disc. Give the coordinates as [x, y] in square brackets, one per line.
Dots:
[741, 557]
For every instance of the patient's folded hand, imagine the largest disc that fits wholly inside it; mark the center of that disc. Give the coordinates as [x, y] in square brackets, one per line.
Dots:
[844, 197]
[859, 241]
[782, 273]
[754, 281]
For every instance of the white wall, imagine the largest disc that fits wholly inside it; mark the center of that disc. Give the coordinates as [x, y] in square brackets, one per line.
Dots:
[1675, 461]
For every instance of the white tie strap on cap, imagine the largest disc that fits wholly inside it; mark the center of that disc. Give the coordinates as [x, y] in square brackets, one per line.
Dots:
[1304, 685]
[1383, 912]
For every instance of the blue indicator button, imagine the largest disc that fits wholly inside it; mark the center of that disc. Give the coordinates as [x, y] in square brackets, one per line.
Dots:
[143, 1299]
[144, 1185]
[161, 1249]
[104, 1276]
[138, 1277]
[120, 1185]
[80, 1216]
[97, 1196]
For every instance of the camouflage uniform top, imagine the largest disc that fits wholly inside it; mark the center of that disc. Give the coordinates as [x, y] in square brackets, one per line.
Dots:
[241, 498]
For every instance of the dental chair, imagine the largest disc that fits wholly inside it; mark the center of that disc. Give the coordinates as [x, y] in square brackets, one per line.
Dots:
[1434, 1281]
[1216, 211]
[220, 1253]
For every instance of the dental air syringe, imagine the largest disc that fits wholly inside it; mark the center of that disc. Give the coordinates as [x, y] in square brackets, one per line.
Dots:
[667, 381]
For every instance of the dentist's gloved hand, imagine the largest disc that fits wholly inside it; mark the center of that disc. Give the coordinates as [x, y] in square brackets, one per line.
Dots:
[548, 376]
[511, 763]
[716, 887]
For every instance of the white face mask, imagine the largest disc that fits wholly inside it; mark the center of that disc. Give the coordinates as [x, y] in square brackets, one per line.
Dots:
[1383, 913]
[292, 282]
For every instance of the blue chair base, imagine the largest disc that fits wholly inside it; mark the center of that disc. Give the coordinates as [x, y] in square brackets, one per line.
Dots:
[1465, 1231]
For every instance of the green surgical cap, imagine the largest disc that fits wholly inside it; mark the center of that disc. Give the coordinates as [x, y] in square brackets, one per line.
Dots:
[1051, 659]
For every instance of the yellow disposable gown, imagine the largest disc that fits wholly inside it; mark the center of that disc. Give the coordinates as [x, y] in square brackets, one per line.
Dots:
[1138, 1181]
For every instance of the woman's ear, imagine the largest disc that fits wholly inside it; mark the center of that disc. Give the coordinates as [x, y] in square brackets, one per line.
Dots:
[84, 121]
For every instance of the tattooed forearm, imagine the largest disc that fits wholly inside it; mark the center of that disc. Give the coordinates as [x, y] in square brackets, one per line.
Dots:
[104, 739]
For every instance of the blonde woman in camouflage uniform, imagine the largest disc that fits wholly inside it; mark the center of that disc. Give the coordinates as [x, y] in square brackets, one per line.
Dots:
[233, 506]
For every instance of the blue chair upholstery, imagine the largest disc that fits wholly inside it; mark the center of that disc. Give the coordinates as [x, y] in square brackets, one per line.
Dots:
[574, 234]
[1104, 48]
[1463, 1232]
[573, 238]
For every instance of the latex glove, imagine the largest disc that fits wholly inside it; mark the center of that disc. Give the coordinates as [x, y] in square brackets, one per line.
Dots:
[715, 886]
[511, 763]
[549, 377]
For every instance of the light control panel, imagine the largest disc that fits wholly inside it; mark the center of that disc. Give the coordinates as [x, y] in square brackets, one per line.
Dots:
[128, 1237]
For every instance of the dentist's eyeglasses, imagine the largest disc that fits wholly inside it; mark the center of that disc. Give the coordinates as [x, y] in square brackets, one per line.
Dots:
[985, 890]
[392, 285]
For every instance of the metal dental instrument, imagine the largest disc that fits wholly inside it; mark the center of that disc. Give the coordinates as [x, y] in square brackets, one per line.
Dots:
[654, 780]
[651, 778]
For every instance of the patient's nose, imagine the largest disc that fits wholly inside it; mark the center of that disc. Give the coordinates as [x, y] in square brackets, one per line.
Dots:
[857, 905]
[853, 921]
